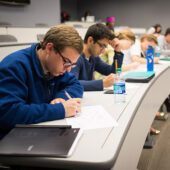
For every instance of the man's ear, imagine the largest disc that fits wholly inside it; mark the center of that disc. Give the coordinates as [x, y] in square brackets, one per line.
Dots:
[90, 40]
[49, 47]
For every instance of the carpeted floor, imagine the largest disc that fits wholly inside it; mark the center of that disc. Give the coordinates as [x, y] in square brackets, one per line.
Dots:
[157, 158]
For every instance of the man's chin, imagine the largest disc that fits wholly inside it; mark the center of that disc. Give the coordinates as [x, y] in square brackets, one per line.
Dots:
[96, 55]
[58, 74]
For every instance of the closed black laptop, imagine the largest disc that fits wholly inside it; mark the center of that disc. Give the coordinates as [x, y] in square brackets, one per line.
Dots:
[34, 140]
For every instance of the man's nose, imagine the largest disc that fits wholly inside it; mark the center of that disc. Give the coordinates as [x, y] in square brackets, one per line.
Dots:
[68, 69]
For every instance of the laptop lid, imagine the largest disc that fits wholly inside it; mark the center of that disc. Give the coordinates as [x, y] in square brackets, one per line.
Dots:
[46, 141]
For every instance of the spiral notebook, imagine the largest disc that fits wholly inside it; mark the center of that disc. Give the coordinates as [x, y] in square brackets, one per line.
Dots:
[41, 141]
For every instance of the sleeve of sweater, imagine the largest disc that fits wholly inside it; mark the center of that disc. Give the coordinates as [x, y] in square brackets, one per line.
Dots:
[14, 108]
[106, 69]
[71, 84]
[92, 85]
[88, 85]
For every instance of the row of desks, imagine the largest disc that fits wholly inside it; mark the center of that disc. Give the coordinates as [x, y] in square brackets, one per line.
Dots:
[118, 147]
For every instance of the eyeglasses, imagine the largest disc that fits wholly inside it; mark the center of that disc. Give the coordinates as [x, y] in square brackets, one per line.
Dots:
[67, 62]
[102, 46]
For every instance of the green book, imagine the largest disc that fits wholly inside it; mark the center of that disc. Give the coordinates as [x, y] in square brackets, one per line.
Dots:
[139, 77]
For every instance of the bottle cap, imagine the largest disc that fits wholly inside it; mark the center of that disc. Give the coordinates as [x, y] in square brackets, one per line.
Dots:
[149, 47]
[119, 70]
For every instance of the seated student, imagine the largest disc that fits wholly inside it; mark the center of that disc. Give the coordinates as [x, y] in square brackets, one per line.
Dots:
[138, 51]
[125, 38]
[110, 22]
[130, 36]
[155, 30]
[33, 80]
[164, 40]
[164, 44]
[95, 41]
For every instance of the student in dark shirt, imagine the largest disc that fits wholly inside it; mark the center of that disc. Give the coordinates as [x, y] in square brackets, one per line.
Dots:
[34, 80]
[110, 22]
[97, 38]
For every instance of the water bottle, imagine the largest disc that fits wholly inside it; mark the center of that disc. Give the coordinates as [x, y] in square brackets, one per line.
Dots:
[150, 59]
[119, 88]
[157, 51]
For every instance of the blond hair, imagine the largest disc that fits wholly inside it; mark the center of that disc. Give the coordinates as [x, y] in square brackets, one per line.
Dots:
[126, 34]
[63, 36]
[149, 37]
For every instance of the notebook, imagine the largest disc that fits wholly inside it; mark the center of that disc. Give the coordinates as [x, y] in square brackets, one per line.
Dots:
[139, 77]
[41, 141]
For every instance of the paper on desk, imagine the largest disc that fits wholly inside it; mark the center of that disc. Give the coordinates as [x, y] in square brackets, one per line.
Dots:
[131, 86]
[92, 117]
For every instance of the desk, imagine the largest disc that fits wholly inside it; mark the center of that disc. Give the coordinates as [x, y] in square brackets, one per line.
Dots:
[117, 148]
[8, 48]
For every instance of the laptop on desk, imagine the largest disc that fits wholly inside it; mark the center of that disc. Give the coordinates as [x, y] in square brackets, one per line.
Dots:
[41, 141]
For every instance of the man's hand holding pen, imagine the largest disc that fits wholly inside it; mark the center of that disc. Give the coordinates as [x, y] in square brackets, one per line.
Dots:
[108, 80]
[72, 106]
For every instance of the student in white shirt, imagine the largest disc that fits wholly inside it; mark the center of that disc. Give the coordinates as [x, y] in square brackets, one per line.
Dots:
[155, 30]
[164, 40]
[138, 50]
[124, 40]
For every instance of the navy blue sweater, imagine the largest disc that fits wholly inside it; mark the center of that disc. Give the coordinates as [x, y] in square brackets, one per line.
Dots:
[85, 69]
[25, 94]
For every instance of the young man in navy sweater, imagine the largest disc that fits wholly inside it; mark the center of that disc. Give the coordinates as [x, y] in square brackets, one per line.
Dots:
[34, 80]
[98, 36]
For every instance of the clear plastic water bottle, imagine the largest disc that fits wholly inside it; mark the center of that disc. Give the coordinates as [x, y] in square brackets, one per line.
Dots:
[119, 88]
[150, 58]
[157, 51]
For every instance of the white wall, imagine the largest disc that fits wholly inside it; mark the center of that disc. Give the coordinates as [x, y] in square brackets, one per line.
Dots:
[39, 11]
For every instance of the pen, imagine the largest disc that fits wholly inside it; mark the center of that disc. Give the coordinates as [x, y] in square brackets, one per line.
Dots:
[115, 65]
[69, 97]
[66, 93]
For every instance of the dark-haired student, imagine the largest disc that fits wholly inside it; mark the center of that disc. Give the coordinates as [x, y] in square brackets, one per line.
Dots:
[97, 38]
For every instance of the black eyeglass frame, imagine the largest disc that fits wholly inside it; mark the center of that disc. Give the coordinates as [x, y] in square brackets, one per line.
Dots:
[102, 46]
[67, 62]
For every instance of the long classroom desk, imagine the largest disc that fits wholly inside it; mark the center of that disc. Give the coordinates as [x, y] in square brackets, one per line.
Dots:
[10, 47]
[117, 148]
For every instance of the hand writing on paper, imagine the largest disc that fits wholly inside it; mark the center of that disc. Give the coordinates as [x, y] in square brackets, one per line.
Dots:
[134, 65]
[109, 80]
[72, 107]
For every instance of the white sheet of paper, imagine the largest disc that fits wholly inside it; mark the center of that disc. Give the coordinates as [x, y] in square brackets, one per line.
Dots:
[92, 117]
[131, 86]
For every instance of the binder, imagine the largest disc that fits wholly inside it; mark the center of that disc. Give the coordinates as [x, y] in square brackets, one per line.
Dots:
[40, 141]
[139, 77]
